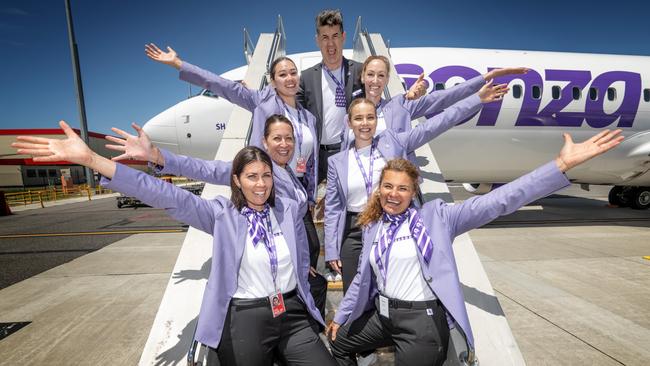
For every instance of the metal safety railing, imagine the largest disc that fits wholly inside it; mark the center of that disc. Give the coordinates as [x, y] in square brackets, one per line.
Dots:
[277, 49]
[249, 47]
[40, 196]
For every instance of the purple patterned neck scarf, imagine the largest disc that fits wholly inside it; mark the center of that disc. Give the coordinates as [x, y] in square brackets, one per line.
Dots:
[418, 233]
[261, 230]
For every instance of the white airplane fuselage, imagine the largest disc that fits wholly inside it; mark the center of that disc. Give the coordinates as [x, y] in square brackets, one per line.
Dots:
[563, 92]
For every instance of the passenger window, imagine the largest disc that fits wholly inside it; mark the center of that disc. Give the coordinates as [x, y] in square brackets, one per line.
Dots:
[52, 173]
[593, 93]
[516, 91]
[31, 173]
[440, 86]
[537, 92]
[42, 173]
[555, 92]
[577, 93]
[646, 95]
[611, 94]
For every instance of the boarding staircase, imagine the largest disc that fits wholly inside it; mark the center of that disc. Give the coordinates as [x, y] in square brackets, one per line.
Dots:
[172, 333]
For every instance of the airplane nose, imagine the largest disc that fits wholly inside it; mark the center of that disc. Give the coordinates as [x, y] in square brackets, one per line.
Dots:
[162, 131]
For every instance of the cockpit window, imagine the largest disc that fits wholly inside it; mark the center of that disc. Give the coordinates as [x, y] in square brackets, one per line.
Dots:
[208, 93]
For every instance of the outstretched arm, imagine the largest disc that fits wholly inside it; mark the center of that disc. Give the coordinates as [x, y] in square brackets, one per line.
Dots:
[480, 210]
[440, 123]
[179, 203]
[232, 91]
[140, 147]
[438, 100]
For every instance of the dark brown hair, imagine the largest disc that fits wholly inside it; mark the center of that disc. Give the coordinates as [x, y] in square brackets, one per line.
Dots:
[276, 62]
[373, 209]
[245, 156]
[275, 118]
[329, 17]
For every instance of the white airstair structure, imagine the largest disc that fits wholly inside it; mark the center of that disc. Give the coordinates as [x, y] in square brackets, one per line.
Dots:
[171, 339]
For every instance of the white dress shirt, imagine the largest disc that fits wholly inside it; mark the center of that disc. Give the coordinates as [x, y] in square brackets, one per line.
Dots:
[254, 279]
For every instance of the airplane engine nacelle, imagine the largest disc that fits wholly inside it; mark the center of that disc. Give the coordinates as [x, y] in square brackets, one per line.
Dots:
[479, 188]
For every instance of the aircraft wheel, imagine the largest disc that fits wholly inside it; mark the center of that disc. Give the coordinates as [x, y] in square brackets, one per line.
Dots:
[618, 196]
[641, 198]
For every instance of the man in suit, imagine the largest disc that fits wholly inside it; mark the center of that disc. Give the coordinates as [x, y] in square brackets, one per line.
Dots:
[327, 88]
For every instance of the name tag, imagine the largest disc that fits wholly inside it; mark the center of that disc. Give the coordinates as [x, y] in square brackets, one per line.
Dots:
[383, 306]
[301, 165]
[277, 304]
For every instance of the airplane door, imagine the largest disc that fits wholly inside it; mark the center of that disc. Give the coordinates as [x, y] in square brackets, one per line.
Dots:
[184, 131]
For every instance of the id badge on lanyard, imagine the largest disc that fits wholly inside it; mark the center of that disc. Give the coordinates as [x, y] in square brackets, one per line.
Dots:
[383, 306]
[276, 300]
[277, 304]
[301, 165]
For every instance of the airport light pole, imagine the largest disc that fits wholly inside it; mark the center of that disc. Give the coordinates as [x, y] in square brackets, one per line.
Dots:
[90, 178]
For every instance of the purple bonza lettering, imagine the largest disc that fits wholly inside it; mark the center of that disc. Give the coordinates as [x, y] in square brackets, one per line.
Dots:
[410, 73]
[594, 109]
[551, 115]
[529, 105]
[443, 74]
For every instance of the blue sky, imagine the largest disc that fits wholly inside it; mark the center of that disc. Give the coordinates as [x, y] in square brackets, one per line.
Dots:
[121, 85]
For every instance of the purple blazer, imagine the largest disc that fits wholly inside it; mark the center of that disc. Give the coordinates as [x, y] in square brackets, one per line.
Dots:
[219, 172]
[399, 111]
[391, 145]
[444, 222]
[262, 103]
[219, 215]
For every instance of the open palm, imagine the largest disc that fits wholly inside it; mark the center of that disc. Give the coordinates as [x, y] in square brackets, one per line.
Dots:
[573, 154]
[490, 92]
[168, 58]
[71, 149]
[133, 147]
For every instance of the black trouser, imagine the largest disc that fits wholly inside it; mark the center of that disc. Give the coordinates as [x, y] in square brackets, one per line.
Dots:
[324, 152]
[350, 249]
[312, 239]
[419, 338]
[318, 283]
[251, 335]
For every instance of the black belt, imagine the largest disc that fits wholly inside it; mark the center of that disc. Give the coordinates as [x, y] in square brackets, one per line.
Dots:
[262, 301]
[417, 305]
[331, 147]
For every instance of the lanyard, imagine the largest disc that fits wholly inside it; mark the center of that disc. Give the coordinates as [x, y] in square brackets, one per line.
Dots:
[339, 84]
[270, 248]
[384, 246]
[367, 178]
[301, 193]
[379, 108]
[339, 97]
[297, 127]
